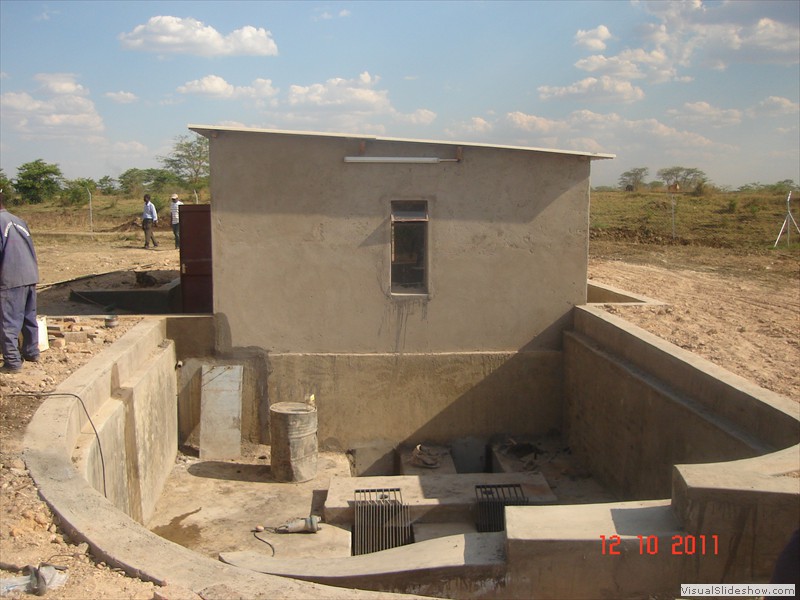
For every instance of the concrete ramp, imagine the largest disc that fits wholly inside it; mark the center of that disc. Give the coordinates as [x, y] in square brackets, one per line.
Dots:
[458, 566]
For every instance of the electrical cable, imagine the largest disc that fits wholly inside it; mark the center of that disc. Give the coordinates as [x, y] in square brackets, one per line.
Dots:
[88, 416]
[255, 535]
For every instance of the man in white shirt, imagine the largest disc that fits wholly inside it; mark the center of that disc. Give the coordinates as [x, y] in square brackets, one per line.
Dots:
[174, 211]
[149, 219]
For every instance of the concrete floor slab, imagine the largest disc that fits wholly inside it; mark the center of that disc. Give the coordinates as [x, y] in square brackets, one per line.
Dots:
[214, 506]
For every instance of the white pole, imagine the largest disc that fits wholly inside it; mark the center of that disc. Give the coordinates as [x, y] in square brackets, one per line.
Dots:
[787, 223]
[91, 222]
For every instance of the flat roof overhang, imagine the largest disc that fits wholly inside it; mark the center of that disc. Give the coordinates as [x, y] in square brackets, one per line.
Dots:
[211, 131]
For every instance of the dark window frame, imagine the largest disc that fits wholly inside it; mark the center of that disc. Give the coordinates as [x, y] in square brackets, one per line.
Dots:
[409, 247]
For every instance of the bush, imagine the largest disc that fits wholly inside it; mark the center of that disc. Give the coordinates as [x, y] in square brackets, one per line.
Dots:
[159, 203]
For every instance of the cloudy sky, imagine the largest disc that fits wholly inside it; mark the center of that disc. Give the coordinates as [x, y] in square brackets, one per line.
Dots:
[101, 87]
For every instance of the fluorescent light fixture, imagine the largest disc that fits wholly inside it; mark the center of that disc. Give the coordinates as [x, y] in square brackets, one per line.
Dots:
[397, 159]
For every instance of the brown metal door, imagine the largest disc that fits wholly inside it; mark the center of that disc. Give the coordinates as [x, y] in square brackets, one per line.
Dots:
[196, 282]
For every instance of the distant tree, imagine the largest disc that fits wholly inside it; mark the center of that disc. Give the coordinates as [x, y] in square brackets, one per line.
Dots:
[7, 186]
[107, 185]
[655, 185]
[136, 182]
[189, 161]
[76, 192]
[784, 187]
[633, 179]
[686, 178]
[38, 181]
[131, 182]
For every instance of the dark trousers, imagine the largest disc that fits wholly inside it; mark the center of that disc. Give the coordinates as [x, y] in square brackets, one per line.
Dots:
[147, 225]
[176, 231]
[18, 313]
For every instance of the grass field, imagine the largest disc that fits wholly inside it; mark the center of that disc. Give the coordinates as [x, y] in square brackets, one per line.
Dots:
[736, 220]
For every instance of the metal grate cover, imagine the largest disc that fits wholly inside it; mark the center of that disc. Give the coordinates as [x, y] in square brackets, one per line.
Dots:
[381, 522]
[492, 500]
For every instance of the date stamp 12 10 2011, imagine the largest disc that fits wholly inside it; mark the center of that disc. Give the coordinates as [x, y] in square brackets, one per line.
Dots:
[701, 545]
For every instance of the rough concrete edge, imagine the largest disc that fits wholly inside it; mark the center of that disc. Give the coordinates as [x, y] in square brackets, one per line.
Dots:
[435, 557]
[616, 295]
[113, 536]
[770, 473]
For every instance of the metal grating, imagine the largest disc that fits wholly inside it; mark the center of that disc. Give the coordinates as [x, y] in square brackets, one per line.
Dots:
[381, 522]
[492, 500]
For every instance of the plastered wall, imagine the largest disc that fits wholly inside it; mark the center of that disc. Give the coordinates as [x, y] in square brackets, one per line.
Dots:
[418, 398]
[301, 244]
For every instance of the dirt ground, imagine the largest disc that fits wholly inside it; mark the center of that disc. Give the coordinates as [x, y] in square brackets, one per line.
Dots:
[741, 312]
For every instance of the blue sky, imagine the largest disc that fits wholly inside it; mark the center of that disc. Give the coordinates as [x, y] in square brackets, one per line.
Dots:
[101, 87]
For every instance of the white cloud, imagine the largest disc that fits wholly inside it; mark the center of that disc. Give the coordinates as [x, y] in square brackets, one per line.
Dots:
[705, 113]
[686, 35]
[421, 116]
[60, 110]
[594, 39]
[728, 32]
[46, 14]
[471, 128]
[774, 106]
[166, 34]
[60, 83]
[772, 38]
[346, 105]
[602, 89]
[535, 124]
[122, 97]
[351, 94]
[216, 87]
[590, 131]
[636, 63]
[322, 14]
[615, 66]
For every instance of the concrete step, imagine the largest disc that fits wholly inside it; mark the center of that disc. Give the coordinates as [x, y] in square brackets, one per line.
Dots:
[597, 545]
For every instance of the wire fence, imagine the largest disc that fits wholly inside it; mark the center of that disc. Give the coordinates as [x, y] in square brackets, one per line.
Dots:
[673, 218]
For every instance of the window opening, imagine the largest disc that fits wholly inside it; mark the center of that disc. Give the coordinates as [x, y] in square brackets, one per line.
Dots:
[409, 247]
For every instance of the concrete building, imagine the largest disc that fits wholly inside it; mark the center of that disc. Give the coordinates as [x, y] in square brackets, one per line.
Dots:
[419, 290]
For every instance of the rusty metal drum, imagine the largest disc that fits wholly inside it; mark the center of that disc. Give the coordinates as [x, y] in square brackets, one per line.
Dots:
[293, 430]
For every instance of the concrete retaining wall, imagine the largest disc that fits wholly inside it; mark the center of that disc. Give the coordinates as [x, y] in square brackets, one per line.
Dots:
[415, 398]
[128, 449]
[637, 405]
